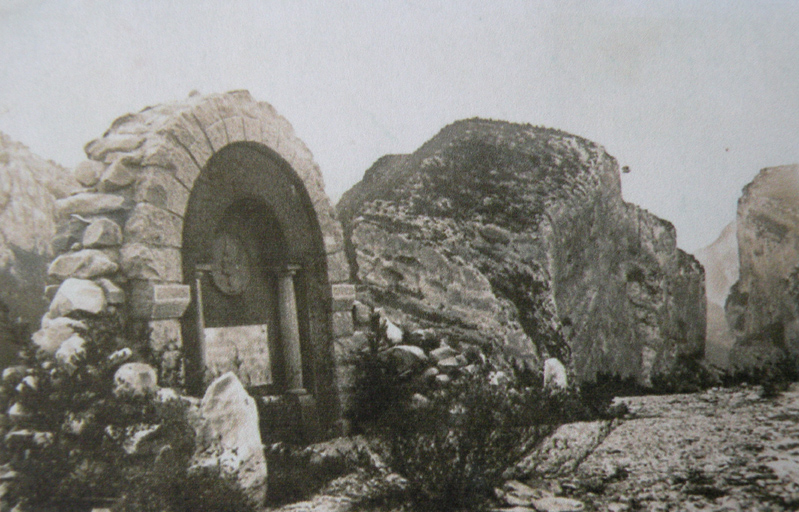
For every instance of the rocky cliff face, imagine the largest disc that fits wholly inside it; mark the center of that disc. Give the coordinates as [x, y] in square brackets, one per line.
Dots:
[763, 307]
[517, 237]
[720, 260]
[29, 186]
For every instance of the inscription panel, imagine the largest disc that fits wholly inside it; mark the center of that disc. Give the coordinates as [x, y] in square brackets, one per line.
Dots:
[243, 350]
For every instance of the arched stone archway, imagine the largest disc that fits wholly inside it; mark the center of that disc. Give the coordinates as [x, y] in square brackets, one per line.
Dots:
[162, 183]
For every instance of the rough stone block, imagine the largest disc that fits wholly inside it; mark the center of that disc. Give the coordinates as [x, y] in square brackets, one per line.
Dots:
[343, 296]
[77, 295]
[159, 301]
[160, 188]
[338, 268]
[85, 264]
[119, 174]
[88, 172]
[154, 226]
[140, 261]
[99, 148]
[69, 233]
[165, 334]
[88, 203]
[342, 324]
[113, 293]
[102, 232]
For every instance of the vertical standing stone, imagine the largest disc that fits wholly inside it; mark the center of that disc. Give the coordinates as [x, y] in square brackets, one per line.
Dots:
[290, 331]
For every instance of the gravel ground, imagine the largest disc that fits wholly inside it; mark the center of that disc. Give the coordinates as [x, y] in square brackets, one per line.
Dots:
[719, 450]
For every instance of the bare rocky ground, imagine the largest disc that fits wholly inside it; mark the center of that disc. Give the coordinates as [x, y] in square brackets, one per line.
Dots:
[719, 450]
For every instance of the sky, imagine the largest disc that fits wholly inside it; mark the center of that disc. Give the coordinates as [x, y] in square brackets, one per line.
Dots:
[694, 96]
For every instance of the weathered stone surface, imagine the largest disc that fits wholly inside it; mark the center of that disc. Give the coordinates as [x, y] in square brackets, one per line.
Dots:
[518, 236]
[88, 203]
[77, 295]
[555, 376]
[229, 435]
[99, 148]
[51, 336]
[102, 232]
[159, 301]
[140, 261]
[135, 379]
[88, 172]
[154, 226]
[720, 260]
[113, 293]
[119, 174]
[160, 188]
[85, 264]
[762, 309]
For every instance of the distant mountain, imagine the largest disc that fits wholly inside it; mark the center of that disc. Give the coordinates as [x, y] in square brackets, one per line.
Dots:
[720, 260]
[517, 236]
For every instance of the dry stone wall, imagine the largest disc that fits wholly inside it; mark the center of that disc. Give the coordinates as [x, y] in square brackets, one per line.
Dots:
[119, 237]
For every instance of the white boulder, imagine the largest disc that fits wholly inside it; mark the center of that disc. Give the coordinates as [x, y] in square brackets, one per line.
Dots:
[229, 435]
[136, 379]
[555, 374]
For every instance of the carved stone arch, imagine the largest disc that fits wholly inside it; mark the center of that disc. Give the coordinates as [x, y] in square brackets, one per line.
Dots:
[142, 175]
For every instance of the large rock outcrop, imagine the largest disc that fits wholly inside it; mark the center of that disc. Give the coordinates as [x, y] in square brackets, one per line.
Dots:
[763, 306]
[29, 187]
[517, 237]
[720, 260]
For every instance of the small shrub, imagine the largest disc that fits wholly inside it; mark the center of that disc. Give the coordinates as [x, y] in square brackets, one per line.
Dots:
[774, 376]
[454, 451]
[689, 375]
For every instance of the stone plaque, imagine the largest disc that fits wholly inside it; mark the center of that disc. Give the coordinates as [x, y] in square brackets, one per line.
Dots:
[243, 350]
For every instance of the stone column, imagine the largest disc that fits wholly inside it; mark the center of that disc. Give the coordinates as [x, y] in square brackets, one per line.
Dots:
[290, 330]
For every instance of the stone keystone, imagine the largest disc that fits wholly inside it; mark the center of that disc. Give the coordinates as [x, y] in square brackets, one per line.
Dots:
[77, 295]
[84, 264]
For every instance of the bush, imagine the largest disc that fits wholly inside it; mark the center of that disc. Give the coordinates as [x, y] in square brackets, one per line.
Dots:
[70, 445]
[454, 451]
